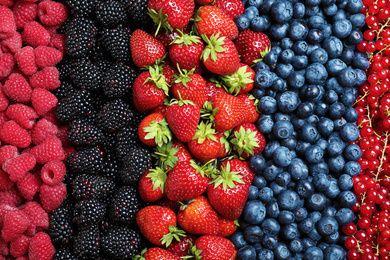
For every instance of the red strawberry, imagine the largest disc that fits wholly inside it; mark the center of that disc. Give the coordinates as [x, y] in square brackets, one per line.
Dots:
[153, 130]
[157, 253]
[151, 185]
[211, 20]
[203, 2]
[252, 46]
[232, 8]
[183, 117]
[23, 115]
[167, 38]
[41, 247]
[14, 224]
[19, 246]
[242, 167]
[251, 103]
[210, 247]
[14, 134]
[240, 81]
[213, 87]
[158, 225]
[247, 140]
[52, 196]
[226, 226]
[172, 205]
[29, 185]
[225, 144]
[145, 50]
[168, 155]
[198, 217]
[220, 56]
[205, 146]
[185, 51]
[171, 14]
[180, 248]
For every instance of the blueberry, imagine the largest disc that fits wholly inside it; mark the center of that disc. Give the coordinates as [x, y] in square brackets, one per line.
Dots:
[283, 129]
[289, 232]
[325, 126]
[336, 110]
[283, 178]
[354, 6]
[238, 239]
[290, 143]
[327, 225]
[277, 189]
[317, 201]
[286, 56]
[334, 252]
[315, 36]
[321, 182]
[315, 216]
[267, 105]
[298, 30]
[300, 62]
[340, 14]
[297, 122]
[344, 216]
[339, 123]
[307, 243]
[329, 211]
[254, 212]
[270, 226]
[299, 10]
[270, 148]
[270, 242]
[314, 235]
[319, 55]
[253, 234]
[258, 92]
[265, 194]
[321, 109]
[348, 55]
[282, 252]
[295, 246]
[288, 102]
[260, 23]
[351, 114]
[321, 167]
[265, 124]
[333, 46]
[301, 214]
[330, 10]
[304, 188]
[286, 217]
[326, 30]
[242, 22]
[332, 83]
[253, 192]
[271, 172]
[333, 191]
[259, 182]
[352, 152]
[342, 28]
[300, 47]
[312, 10]
[335, 148]
[255, 3]
[357, 20]
[313, 253]
[347, 77]
[282, 11]
[265, 8]
[284, 70]
[286, 43]
[311, 92]
[305, 109]
[336, 164]
[352, 168]
[335, 66]
[265, 254]
[355, 37]
[322, 245]
[272, 208]
[257, 163]
[309, 133]
[298, 169]
[360, 62]
[296, 80]
[264, 78]
[314, 154]
[315, 22]
[247, 252]
[347, 199]
[316, 73]
[349, 132]
[306, 225]
[348, 99]
[288, 200]
[251, 12]
[362, 77]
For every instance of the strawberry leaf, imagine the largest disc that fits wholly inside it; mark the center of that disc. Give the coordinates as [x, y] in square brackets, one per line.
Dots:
[160, 20]
[227, 178]
[262, 55]
[174, 233]
[165, 155]
[158, 79]
[244, 141]
[158, 177]
[203, 132]
[159, 132]
[238, 80]
[184, 76]
[186, 39]
[214, 45]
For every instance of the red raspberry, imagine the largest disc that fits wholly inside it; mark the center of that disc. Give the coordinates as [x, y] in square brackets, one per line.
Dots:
[41, 247]
[19, 247]
[4, 209]
[7, 3]
[37, 214]
[52, 29]
[48, 78]
[52, 173]
[43, 101]
[4, 250]
[7, 23]
[17, 167]
[3, 119]
[42, 130]
[11, 197]
[7, 63]
[47, 56]
[14, 224]
[17, 88]
[58, 41]
[35, 34]
[63, 135]
[52, 13]
[51, 117]
[3, 100]
[5, 182]
[52, 196]
[23, 115]
[49, 150]
[8, 152]
[25, 59]
[24, 12]
[14, 134]
[12, 44]
[28, 186]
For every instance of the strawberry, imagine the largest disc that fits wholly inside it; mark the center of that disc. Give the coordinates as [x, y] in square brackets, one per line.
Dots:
[251, 102]
[169, 154]
[145, 50]
[252, 46]
[171, 14]
[181, 247]
[151, 185]
[247, 140]
[213, 87]
[183, 117]
[225, 144]
[185, 51]
[156, 253]
[190, 86]
[168, 70]
[158, 225]
[187, 180]
[226, 226]
[211, 247]
[198, 217]
[240, 81]
[220, 56]
[232, 8]
[153, 130]
[242, 167]
[149, 90]
[205, 146]
[203, 2]
[167, 38]
[211, 20]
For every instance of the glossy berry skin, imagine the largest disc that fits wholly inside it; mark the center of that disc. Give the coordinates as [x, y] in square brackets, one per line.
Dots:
[214, 247]
[187, 56]
[232, 8]
[183, 120]
[252, 46]
[194, 90]
[155, 253]
[145, 50]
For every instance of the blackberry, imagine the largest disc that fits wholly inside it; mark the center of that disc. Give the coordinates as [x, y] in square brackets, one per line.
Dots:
[86, 244]
[124, 205]
[135, 164]
[80, 36]
[88, 186]
[86, 75]
[64, 253]
[118, 81]
[121, 243]
[82, 7]
[87, 212]
[60, 227]
[126, 140]
[138, 117]
[117, 43]
[64, 67]
[105, 64]
[82, 132]
[111, 167]
[110, 13]
[138, 11]
[65, 88]
[89, 160]
[77, 104]
[114, 115]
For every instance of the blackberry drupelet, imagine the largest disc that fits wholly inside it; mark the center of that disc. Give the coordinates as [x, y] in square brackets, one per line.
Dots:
[110, 13]
[126, 140]
[64, 67]
[89, 186]
[80, 36]
[118, 81]
[82, 7]
[86, 75]
[117, 43]
[88, 212]
[64, 253]
[61, 229]
[82, 132]
[121, 243]
[77, 104]
[65, 88]
[111, 167]
[124, 205]
[138, 117]
[114, 115]
[135, 164]
[88, 160]
[138, 11]
[86, 244]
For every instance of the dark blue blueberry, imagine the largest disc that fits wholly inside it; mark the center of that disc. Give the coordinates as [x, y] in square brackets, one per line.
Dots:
[296, 80]
[335, 66]
[270, 241]
[283, 129]
[311, 92]
[336, 164]
[360, 62]
[258, 92]
[316, 73]
[238, 239]
[257, 163]
[261, 65]
[312, 47]
[300, 62]
[265, 254]
[321, 182]
[339, 123]
[332, 83]
[335, 148]
[319, 55]
[297, 122]
[352, 152]
[309, 133]
[315, 216]
[276, 188]
[362, 77]
[341, 14]
[351, 114]
[315, 36]
[322, 143]
[265, 124]
[313, 253]
[349, 132]
[253, 192]
[270, 148]
[347, 199]
[317, 201]
[253, 234]
[247, 252]
[347, 77]
[315, 22]
[314, 154]
[333, 46]
[263, 78]
[278, 31]
[298, 169]
[307, 243]
[336, 110]
[242, 22]
[306, 225]
[325, 126]
[270, 226]
[290, 143]
[295, 245]
[251, 12]
[330, 10]
[255, 3]
[300, 47]
[259, 24]
[327, 226]
[286, 43]
[334, 252]
[254, 212]
[314, 235]
[298, 30]
[305, 109]
[282, 252]
[283, 178]
[282, 117]
[288, 102]
[354, 6]
[321, 167]
[326, 30]
[267, 105]
[272, 208]
[282, 11]
[270, 92]
[284, 70]
[329, 211]
[271, 59]
[286, 217]
[288, 200]
[352, 168]
[266, 194]
[304, 188]
[300, 214]
[321, 109]
[259, 182]
[357, 20]
[312, 10]
[331, 96]
[271, 172]
[342, 28]
[289, 232]
[355, 37]
[348, 55]
[344, 216]
[332, 239]
[299, 10]
[265, 8]
[348, 99]
[286, 56]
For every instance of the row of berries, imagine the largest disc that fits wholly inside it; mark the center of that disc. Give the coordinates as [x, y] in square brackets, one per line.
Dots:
[31, 152]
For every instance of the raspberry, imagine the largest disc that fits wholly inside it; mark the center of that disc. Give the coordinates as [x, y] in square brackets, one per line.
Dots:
[14, 134]
[3, 100]
[17, 167]
[7, 3]
[52, 196]
[48, 78]
[28, 186]
[7, 62]
[11, 197]
[12, 44]
[52, 173]
[24, 12]
[49, 150]
[17, 88]
[23, 115]
[58, 41]
[41, 247]
[47, 56]
[37, 214]
[63, 135]
[5, 182]
[8, 152]
[25, 59]
[4, 250]
[7, 23]
[14, 224]
[43, 100]
[51, 117]
[19, 247]
[3, 119]
[42, 130]
[52, 13]
[35, 34]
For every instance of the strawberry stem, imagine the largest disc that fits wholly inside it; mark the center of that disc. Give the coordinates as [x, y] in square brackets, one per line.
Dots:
[159, 131]
[165, 155]
[214, 45]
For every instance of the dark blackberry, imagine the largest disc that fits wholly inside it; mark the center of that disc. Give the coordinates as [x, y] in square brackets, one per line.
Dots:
[138, 11]
[86, 75]
[118, 81]
[82, 7]
[135, 164]
[124, 205]
[105, 64]
[117, 43]
[82, 132]
[121, 243]
[87, 212]
[88, 186]
[86, 244]
[114, 115]
[64, 67]
[65, 252]
[80, 36]
[60, 224]
[111, 167]
[65, 88]
[110, 13]
[88, 160]
[138, 117]
[77, 104]
[126, 140]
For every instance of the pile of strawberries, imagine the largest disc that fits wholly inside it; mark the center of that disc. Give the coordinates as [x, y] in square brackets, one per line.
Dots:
[31, 152]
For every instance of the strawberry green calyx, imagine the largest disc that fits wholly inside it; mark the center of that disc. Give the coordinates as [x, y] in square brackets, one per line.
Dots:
[186, 39]
[208, 169]
[184, 76]
[193, 253]
[165, 155]
[158, 79]
[214, 45]
[141, 256]
[244, 141]
[237, 81]
[262, 54]
[203, 132]
[181, 102]
[208, 112]
[160, 19]
[174, 233]
[224, 140]
[227, 178]
[159, 132]
[158, 176]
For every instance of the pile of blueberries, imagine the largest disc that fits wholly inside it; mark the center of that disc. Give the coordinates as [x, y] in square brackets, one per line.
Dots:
[307, 84]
